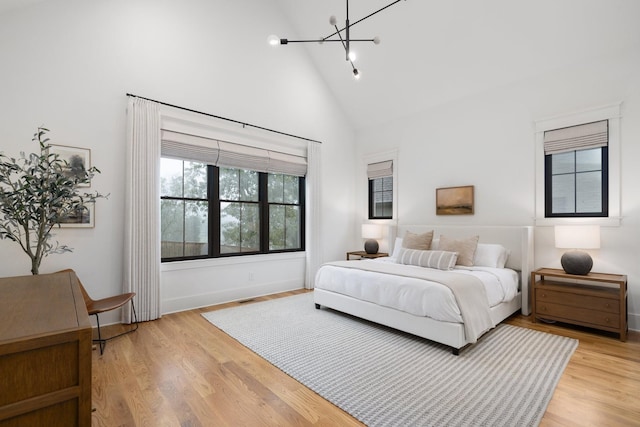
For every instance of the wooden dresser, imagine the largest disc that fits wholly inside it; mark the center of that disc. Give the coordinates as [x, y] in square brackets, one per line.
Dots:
[595, 300]
[45, 352]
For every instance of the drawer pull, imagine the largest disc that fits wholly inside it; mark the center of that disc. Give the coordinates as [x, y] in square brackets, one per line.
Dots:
[606, 319]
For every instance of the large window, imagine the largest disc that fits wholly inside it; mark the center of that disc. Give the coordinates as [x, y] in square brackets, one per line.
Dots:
[576, 171]
[209, 211]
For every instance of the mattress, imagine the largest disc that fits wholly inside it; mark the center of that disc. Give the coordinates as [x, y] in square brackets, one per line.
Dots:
[412, 295]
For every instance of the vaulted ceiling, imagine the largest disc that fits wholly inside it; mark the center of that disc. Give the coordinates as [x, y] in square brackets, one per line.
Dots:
[436, 51]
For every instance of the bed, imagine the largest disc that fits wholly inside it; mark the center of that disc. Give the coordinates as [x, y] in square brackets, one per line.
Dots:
[408, 296]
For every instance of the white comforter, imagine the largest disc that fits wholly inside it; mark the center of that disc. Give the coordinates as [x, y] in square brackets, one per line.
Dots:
[415, 296]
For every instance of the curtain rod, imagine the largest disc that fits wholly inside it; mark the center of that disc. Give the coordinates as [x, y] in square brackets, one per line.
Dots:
[224, 118]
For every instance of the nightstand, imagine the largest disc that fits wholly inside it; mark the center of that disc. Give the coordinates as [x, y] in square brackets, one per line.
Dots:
[363, 254]
[594, 300]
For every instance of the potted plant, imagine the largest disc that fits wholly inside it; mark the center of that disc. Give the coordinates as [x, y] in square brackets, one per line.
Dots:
[36, 193]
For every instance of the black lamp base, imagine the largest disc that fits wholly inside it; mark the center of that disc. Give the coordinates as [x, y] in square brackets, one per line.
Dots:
[371, 246]
[576, 262]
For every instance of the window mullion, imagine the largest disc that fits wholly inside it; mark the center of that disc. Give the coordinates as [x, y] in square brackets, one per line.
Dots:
[213, 195]
[263, 209]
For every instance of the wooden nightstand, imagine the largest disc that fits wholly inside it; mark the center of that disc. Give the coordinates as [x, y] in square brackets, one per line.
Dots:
[363, 254]
[595, 300]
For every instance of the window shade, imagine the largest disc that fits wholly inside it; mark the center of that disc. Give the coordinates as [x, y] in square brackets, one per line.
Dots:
[226, 154]
[379, 170]
[581, 137]
[188, 147]
[287, 164]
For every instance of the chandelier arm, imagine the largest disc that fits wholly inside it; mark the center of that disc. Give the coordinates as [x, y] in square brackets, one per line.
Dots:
[343, 43]
[362, 19]
[324, 40]
[356, 73]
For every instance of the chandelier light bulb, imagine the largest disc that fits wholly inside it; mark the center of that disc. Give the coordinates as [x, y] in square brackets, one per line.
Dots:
[376, 40]
[273, 40]
[352, 56]
[333, 20]
[356, 74]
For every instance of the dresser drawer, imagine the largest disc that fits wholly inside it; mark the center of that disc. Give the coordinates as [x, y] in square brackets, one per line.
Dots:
[586, 317]
[609, 305]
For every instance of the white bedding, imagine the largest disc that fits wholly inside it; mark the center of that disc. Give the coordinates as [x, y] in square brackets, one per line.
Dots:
[415, 296]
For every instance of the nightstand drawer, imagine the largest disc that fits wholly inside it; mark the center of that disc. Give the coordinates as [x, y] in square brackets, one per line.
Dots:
[608, 305]
[577, 314]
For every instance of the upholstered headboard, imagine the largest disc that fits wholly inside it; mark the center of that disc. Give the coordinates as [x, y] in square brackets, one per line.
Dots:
[517, 239]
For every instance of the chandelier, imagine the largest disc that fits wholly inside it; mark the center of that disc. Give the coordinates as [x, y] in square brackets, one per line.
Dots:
[342, 35]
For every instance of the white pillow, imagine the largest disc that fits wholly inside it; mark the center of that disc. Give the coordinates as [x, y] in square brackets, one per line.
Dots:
[490, 255]
[396, 247]
[441, 260]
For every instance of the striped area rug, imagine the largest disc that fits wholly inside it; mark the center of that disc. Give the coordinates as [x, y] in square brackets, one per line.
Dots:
[387, 378]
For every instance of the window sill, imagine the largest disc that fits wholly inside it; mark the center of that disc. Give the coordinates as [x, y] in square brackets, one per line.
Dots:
[237, 260]
[603, 222]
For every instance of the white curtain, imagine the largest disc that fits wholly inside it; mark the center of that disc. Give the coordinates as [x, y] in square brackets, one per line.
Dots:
[313, 244]
[142, 209]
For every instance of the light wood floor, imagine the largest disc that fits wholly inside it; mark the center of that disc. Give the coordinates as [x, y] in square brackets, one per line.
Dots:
[182, 371]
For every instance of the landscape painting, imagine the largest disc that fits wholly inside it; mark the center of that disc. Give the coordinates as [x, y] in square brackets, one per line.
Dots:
[78, 160]
[454, 200]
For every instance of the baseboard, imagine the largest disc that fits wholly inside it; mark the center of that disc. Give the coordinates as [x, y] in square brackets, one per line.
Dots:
[634, 321]
[222, 296]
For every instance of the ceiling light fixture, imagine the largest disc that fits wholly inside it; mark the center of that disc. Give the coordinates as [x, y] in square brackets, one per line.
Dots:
[346, 41]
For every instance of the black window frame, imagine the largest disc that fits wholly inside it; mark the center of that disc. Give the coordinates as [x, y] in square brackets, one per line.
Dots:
[214, 232]
[371, 196]
[548, 188]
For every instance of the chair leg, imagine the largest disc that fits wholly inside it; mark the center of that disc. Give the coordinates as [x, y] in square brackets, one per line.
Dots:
[100, 341]
[103, 341]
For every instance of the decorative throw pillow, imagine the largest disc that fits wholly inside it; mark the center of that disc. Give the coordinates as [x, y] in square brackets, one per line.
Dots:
[420, 242]
[466, 248]
[491, 255]
[441, 260]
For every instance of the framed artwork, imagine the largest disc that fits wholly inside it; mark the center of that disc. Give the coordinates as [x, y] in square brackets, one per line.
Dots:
[83, 218]
[78, 160]
[454, 200]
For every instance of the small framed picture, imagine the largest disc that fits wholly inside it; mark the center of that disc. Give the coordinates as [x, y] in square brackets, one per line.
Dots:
[454, 200]
[78, 160]
[83, 218]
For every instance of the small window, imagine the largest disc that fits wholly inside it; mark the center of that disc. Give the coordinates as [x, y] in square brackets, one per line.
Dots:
[381, 198]
[380, 190]
[576, 171]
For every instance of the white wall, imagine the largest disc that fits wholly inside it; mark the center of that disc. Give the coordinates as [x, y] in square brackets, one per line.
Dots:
[67, 65]
[487, 140]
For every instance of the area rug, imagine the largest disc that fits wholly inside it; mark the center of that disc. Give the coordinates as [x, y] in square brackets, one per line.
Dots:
[384, 377]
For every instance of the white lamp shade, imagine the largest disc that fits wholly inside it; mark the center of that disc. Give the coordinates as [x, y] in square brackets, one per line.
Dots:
[577, 236]
[371, 231]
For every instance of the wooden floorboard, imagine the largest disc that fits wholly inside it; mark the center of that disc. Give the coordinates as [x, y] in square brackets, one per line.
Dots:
[182, 371]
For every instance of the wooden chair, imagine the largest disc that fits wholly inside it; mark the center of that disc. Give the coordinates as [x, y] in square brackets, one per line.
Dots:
[95, 307]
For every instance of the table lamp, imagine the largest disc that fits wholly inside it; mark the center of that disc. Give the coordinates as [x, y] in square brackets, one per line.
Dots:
[577, 237]
[371, 232]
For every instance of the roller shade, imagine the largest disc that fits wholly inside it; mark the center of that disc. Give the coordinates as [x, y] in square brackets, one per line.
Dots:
[581, 137]
[227, 154]
[379, 170]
